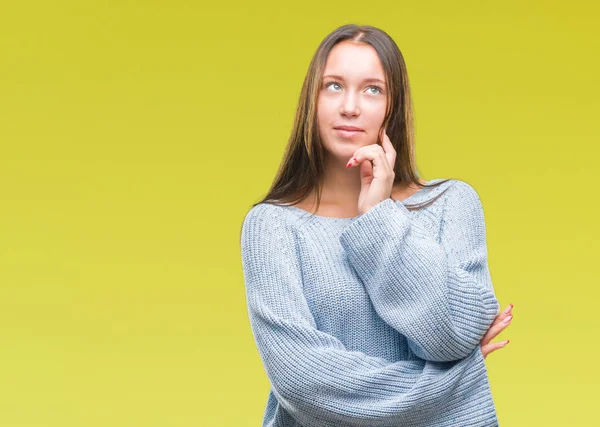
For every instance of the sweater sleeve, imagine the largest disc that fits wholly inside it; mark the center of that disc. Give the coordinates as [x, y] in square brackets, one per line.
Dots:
[313, 376]
[437, 294]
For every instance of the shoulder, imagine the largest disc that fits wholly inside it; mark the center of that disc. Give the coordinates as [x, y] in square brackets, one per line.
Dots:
[266, 221]
[463, 200]
[462, 189]
[261, 211]
[267, 213]
[438, 192]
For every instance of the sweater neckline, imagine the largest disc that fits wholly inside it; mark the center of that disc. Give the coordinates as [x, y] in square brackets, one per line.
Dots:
[412, 198]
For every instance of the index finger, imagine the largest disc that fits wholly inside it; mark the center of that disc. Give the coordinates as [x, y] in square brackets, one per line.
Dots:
[388, 148]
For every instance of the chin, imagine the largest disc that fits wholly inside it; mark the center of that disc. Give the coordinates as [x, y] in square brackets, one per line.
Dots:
[342, 152]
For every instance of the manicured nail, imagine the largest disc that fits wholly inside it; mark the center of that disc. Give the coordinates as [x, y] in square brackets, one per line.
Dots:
[506, 342]
[508, 319]
[509, 308]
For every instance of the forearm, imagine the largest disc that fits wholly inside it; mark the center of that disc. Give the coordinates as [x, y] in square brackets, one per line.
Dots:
[443, 308]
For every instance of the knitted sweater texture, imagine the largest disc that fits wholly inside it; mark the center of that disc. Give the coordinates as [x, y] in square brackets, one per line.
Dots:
[375, 320]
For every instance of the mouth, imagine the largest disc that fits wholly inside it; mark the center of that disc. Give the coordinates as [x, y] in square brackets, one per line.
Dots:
[349, 128]
[348, 131]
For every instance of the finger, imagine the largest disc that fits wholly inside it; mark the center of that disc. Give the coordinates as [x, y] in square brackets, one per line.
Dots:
[358, 155]
[354, 160]
[495, 329]
[491, 347]
[376, 155]
[506, 312]
[388, 148]
[503, 315]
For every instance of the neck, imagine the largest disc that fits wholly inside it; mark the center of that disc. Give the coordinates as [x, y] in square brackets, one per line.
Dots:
[341, 186]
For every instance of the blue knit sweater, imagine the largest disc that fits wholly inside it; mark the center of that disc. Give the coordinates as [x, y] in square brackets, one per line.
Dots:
[373, 320]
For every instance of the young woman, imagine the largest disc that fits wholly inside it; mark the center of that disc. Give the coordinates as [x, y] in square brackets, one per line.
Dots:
[368, 290]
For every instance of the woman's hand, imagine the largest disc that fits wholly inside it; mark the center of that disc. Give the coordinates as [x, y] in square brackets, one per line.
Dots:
[376, 172]
[502, 321]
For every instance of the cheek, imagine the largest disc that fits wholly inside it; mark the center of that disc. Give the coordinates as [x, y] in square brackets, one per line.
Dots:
[375, 119]
[324, 109]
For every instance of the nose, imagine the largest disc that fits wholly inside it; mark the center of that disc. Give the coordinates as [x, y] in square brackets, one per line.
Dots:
[349, 106]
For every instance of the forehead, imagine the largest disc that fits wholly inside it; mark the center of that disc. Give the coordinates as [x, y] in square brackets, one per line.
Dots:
[354, 61]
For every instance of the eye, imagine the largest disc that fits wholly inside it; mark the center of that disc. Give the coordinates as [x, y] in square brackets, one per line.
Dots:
[380, 90]
[377, 87]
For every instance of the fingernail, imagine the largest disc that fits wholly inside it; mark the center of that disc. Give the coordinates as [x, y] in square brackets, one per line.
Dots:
[506, 342]
[509, 308]
[508, 319]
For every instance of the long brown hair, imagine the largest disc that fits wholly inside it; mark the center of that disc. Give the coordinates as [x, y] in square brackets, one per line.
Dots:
[302, 167]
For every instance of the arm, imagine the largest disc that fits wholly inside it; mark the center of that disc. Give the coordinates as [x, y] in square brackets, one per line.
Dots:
[314, 377]
[439, 295]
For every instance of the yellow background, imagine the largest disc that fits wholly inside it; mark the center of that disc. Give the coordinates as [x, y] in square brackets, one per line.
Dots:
[135, 136]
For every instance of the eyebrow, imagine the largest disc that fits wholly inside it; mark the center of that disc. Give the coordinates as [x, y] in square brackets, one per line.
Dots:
[365, 80]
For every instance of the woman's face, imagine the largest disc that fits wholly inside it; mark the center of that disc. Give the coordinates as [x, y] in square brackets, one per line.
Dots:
[353, 94]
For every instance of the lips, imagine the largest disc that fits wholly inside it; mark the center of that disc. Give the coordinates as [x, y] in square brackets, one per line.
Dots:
[349, 128]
